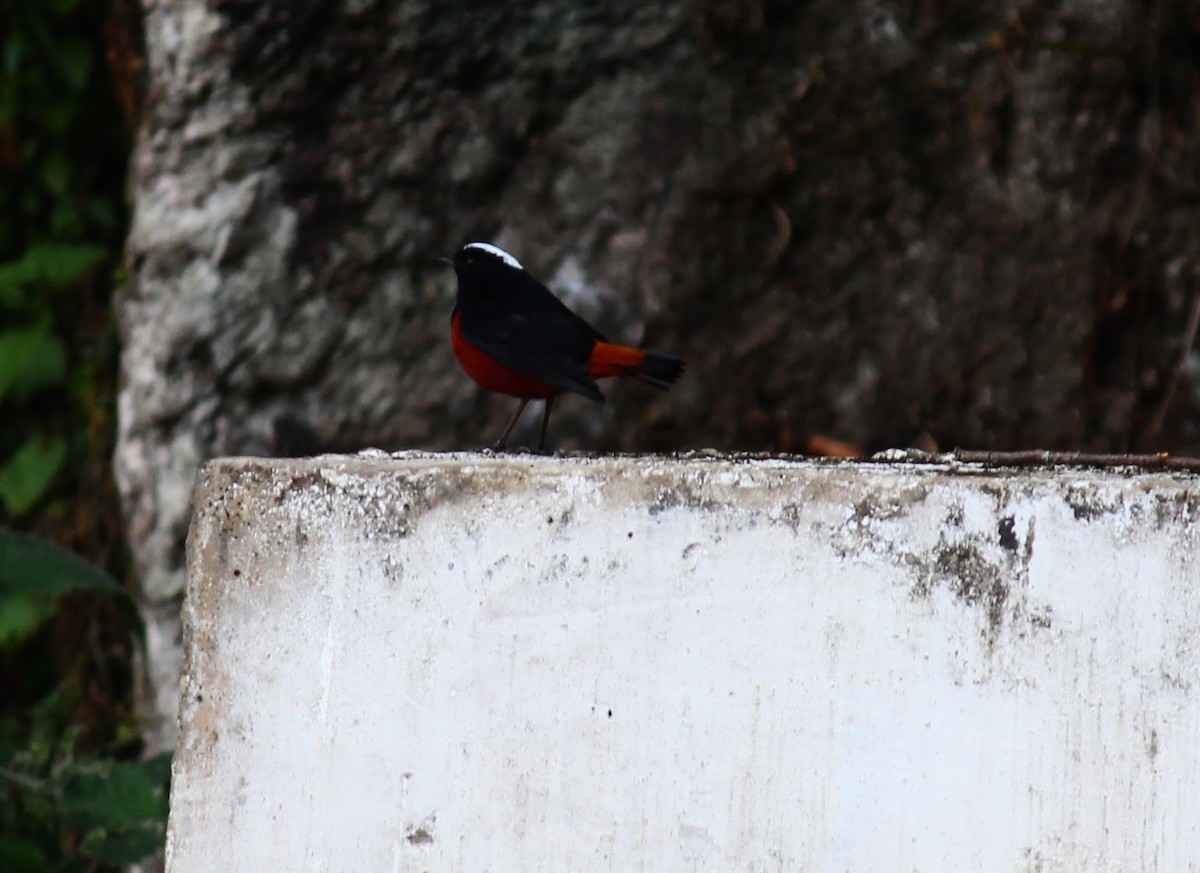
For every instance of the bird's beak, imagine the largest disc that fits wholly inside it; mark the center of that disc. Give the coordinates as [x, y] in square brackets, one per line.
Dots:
[449, 262]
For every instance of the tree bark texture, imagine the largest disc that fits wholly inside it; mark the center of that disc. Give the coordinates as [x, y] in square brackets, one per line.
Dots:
[948, 223]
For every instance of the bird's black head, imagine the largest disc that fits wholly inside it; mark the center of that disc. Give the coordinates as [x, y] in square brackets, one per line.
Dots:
[487, 276]
[481, 260]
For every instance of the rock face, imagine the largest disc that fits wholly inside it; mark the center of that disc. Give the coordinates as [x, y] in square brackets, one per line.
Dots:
[880, 221]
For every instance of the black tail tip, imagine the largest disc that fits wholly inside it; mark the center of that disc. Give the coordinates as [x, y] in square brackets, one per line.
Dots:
[659, 371]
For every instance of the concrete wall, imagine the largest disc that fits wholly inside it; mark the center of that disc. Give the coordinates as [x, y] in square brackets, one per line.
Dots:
[460, 662]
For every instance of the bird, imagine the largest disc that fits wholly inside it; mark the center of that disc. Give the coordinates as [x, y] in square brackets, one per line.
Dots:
[513, 336]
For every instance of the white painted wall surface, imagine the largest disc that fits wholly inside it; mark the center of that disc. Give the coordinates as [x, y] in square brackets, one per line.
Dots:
[468, 663]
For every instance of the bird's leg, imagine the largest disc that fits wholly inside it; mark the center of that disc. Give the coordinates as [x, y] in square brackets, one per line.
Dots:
[545, 424]
[503, 441]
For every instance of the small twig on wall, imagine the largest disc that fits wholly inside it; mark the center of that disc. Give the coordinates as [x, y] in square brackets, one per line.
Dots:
[1189, 339]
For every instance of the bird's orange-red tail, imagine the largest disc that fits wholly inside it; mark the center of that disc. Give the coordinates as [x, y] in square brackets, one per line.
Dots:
[650, 368]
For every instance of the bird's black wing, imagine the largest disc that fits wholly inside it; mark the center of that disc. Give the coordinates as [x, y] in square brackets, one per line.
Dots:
[525, 327]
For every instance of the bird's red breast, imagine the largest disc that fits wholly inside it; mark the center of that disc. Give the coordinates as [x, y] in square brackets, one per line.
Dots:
[491, 374]
[605, 359]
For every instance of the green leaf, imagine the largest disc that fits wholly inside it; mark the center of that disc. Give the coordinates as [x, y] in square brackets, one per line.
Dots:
[122, 807]
[75, 60]
[53, 265]
[22, 613]
[32, 566]
[124, 845]
[31, 358]
[19, 855]
[56, 171]
[11, 741]
[158, 767]
[102, 212]
[110, 794]
[11, 297]
[56, 117]
[25, 477]
[16, 49]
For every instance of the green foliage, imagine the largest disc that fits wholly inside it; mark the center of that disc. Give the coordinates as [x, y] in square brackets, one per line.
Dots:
[31, 359]
[34, 574]
[73, 796]
[27, 475]
[84, 813]
[61, 806]
[46, 265]
[31, 565]
[19, 855]
[118, 807]
[21, 614]
[63, 148]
